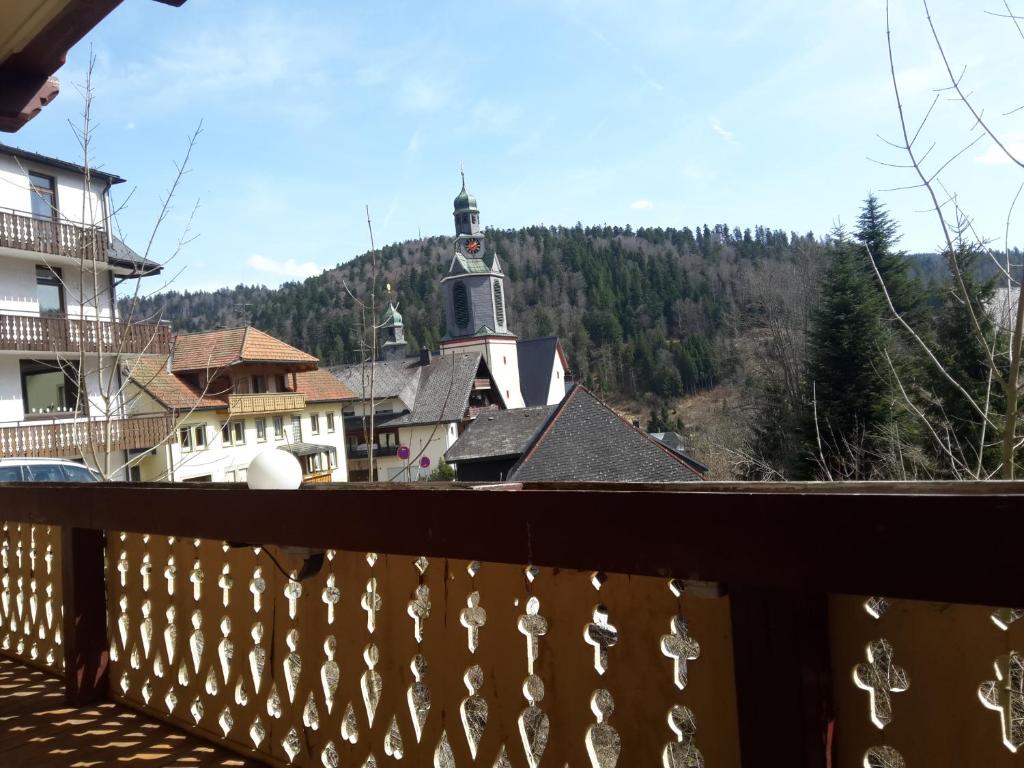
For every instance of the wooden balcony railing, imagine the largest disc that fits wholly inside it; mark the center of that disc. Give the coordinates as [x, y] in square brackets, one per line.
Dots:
[277, 402]
[59, 333]
[25, 232]
[73, 438]
[596, 626]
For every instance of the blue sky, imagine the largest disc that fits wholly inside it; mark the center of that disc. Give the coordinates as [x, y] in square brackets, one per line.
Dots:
[600, 111]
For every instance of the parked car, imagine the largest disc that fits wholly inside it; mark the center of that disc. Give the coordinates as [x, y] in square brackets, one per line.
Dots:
[46, 471]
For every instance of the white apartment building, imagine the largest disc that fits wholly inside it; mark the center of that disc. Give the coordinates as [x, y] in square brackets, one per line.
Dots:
[62, 345]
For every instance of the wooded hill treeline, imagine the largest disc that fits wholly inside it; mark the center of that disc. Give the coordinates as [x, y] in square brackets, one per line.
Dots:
[638, 312]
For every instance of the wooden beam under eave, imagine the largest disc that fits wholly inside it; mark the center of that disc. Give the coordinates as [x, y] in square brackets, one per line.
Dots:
[22, 97]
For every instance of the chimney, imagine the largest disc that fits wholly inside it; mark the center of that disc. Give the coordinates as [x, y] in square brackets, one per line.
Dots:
[424, 356]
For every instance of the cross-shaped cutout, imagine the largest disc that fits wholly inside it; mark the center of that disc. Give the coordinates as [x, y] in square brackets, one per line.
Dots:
[1005, 695]
[602, 635]
[534, 626]
[683, 752]
[1004, 617]
[602, 740]
[681, 648]
[225, 582]
[880, 678]
[330, 595]
[169, 573]
[293, 591]
[472, 617]
[419, 610]
[196, 577]
[371, 603]
[257, 586]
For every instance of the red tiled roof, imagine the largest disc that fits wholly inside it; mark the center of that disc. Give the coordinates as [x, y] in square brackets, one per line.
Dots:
[218, 349]
[321, 386]
[172, 391]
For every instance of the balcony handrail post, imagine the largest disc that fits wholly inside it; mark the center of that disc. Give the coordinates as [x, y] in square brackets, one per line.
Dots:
[86, 651]
[783, 672]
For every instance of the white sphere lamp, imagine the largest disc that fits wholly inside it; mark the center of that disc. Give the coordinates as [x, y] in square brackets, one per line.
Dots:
[274, 470]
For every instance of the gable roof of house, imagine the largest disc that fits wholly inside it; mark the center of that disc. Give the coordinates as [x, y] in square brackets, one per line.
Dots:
[499, 434]
[536, 359]
[586, 441]
[391, 379]
[172, 392]
[444, 389]
[212, 350]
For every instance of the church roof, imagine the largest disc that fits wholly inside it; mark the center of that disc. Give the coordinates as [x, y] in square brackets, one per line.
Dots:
[391, 317]
[465, 201]
[586, 441]
[536, 360]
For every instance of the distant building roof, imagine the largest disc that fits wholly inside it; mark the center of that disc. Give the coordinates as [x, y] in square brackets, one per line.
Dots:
[674, 441]
[391, 378]
[213, 350]
[120, 255]
[499, 434]
[64, 165]
[306, 449]
[172, 392]
[536, 360]
[585, 440]
[320, 386]
[444, 389]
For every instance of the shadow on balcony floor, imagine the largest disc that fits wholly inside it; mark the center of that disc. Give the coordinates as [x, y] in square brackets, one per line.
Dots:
[38, 730]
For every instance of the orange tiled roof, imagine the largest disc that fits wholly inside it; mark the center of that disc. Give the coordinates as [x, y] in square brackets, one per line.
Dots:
[321, 386]
[212, 350]
[172, 391]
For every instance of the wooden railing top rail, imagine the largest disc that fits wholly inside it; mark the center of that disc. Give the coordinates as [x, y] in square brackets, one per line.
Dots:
[935, 541]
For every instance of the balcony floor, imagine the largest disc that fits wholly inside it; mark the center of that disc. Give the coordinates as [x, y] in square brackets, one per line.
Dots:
[38, 730]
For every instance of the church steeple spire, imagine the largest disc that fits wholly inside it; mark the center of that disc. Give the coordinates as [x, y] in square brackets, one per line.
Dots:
[467, 215]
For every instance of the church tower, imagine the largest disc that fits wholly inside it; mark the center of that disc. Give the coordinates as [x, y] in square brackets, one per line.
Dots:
[392, 335]
[473, 291]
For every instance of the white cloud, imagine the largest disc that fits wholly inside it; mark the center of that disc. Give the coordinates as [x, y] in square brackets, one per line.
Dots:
[995, 156]
[287, 268]
[641, 205]
[727, 136]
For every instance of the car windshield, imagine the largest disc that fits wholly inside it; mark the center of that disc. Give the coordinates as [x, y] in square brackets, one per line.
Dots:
[77, 474]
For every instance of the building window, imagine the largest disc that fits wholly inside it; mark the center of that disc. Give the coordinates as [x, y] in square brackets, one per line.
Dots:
[261, 430]
[185, 438]
[314, 423]
[279, 380]
[49, 291]
[200, 436]
[297, 429]
[259, 384]
[49, 387]
[134, 474]
[44, 196]
[330, 422]
[332, 457]
[233, 433]
[460, 298]
[278, 428]
[241, 475]
[499, 303]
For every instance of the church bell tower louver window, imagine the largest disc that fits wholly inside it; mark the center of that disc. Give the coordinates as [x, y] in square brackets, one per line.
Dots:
[499, 304]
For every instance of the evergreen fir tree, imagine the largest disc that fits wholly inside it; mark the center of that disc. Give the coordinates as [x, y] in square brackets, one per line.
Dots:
[845, 369]
[878, 234]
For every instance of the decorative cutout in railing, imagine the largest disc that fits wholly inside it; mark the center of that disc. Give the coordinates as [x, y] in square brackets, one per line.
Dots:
[31, 607]
[437, 663]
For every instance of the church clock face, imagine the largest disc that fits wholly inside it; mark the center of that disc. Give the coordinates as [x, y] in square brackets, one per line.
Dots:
[473, 247]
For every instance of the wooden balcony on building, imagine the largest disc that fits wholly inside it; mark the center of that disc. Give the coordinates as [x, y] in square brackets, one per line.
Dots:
[317, 478]
[23, 231]
[270, 402]
[77, 438]
[73, 335]
[729, 625]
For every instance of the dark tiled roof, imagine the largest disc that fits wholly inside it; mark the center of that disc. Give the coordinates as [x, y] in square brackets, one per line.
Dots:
[321, 387]
[218, 349]
[443, 394]
[120, 255]
[586, 441]
[391, 378]
[536, 358]
[497, 434]
[306, 449]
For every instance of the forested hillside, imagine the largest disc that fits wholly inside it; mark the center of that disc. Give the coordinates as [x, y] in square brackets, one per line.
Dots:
[639, 312]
